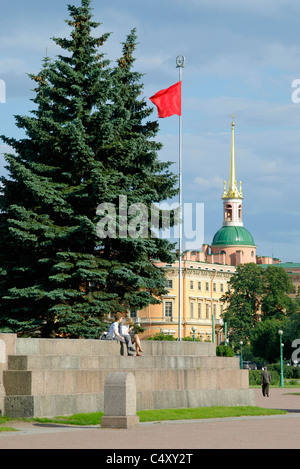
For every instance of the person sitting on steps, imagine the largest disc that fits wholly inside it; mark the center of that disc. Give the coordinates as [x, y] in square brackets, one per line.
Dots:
[128, 329]
[115, 334]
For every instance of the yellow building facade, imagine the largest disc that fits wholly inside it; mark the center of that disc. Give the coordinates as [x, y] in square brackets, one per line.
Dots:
[203, 285]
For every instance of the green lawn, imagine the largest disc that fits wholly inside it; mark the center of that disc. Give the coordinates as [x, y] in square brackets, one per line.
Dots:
[155, 415]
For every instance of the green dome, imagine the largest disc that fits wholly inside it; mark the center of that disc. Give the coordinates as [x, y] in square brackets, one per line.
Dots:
[233, 235]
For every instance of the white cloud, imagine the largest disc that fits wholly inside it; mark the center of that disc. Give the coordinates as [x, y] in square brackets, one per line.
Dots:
[267, 8]
[214, 182]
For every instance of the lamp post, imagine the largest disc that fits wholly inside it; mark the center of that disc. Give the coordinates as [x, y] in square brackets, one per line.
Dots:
[241, 356]
[193, 329]
[281, 382]
[180, 61]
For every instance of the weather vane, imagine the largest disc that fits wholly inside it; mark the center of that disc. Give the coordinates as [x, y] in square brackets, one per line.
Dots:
[180, 61]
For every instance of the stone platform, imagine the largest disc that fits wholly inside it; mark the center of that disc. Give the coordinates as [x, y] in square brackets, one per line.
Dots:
[50, 377]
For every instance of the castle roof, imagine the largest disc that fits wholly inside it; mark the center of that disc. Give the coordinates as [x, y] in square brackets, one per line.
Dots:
[233, 236]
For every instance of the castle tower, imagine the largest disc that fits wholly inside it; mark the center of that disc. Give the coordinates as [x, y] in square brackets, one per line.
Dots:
[233, 240]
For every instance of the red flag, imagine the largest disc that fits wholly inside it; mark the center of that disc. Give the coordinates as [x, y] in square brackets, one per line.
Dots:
[168, 102]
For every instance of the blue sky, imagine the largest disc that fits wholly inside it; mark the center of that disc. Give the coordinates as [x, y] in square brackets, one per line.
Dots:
[241, 57]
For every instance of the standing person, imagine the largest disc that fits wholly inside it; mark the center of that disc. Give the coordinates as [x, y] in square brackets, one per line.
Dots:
[114, 333]
[265, 381]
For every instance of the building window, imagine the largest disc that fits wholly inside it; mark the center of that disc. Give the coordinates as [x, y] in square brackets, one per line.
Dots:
[207, 310]
[221, 287]
[215, 309]
[133, 314]
[199, 310]
[170, 284]
[228, 212]
[214, 287]
[207, 286]
[240, 212]
[191, 284]
[192, 310]
[168, 309]
[200, 286]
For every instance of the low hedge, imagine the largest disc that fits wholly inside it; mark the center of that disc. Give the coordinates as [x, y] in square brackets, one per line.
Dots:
[289, 372]
[224, 351]
[255, 377]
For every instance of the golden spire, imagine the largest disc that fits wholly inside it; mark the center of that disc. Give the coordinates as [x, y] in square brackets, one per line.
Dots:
[233, 191]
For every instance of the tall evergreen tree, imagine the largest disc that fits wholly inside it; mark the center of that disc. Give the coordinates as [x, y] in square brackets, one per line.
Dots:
[86, 144]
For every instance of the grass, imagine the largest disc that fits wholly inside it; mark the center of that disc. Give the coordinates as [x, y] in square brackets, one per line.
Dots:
[274, 386]
[204, 413]
[2, 427]
[154, 415]
[7, 429]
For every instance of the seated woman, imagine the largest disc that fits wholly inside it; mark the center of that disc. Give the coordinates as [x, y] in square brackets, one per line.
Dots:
[127, 329]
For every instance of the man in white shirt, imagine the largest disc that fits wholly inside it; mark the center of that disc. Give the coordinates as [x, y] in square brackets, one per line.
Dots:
[115, 335]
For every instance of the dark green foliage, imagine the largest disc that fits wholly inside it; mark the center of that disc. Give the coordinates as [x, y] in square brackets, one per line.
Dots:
[255, 377]
[224, 351]
[190, 339]
[276, 302]
[257, 306]
[161, 336]
[265, 340]
[87, 142]
[243, 299]
[289, 372]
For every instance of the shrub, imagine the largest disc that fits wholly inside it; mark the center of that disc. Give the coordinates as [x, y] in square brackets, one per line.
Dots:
[161, 336]
[224, 351]
[190, 339]
[255, 377]
[289, 372]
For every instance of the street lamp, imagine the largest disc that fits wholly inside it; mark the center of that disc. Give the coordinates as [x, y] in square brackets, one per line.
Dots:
[213, 328]
[193, 329]
[281, 383]
[241, 356]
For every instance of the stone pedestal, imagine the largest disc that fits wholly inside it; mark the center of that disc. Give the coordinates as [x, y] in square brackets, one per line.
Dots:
[6, 346]
[120, 401]
[50, 377]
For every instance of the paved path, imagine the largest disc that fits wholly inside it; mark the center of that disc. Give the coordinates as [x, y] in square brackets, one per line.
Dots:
[274, 432]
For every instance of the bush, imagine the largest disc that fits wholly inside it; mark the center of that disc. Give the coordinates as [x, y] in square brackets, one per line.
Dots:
[161, 336]
[296, 372]
[224, 351]
[289, 372]
[255, 377]
[190, 339]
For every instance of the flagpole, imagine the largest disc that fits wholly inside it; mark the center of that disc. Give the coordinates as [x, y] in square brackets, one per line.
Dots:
[180, 61]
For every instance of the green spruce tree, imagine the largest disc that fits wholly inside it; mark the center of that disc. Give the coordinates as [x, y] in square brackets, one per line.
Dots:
[87, 144]
[143, 181]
